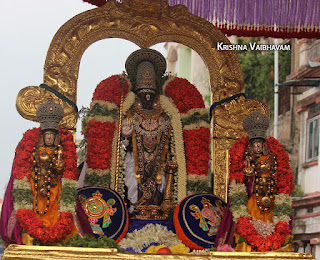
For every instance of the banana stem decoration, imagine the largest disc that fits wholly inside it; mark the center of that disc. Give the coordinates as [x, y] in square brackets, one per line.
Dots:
[122, 82]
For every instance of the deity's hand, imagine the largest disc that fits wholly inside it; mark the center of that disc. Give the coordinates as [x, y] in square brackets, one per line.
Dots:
[127, 127]
[59, 163]
[171, 167]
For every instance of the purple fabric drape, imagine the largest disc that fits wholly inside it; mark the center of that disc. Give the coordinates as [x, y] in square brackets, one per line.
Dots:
[227, 227]
[83, 220]
[10, 232]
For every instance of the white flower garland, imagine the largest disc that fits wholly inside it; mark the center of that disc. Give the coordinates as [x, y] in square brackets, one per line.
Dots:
[22, 184]
[281, 200]
[176, 124]
[128, 102]
[151, 233]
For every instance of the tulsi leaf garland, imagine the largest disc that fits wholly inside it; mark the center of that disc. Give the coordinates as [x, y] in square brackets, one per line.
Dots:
[239, 211]
[22, 189]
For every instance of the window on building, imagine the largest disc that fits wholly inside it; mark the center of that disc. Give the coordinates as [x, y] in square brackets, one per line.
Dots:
[313, 138]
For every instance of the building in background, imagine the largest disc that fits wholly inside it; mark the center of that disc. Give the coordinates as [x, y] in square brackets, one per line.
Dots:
[298, 127]
[298, 130]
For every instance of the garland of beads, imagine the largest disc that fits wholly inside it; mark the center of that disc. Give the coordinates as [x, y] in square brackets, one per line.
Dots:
[271, 182]
[47, 177]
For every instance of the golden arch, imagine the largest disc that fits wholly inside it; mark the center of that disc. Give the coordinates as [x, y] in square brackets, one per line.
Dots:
[146, 23]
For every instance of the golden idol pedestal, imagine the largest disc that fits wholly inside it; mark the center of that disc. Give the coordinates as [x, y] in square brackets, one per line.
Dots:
[79, 253]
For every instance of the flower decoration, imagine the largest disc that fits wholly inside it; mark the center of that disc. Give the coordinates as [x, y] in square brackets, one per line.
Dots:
[141, 239]
[35, 228]
[191, 135]
[247, 227]
[22, 193]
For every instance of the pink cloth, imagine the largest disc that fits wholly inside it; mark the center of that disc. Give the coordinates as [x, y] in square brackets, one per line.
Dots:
[10, 232]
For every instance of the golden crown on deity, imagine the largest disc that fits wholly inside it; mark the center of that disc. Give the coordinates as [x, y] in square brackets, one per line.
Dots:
[49, 115]
[256, 125]
[144, 66]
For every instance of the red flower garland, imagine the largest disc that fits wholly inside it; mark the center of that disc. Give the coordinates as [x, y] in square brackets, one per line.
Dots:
[274, 241]
[110, 90]
[285, 185]
[197, 150]
[21, 168]
[100, 136]
[184, 95]
[35, 228]
[69, 155]
[22, 161]
[285, 179]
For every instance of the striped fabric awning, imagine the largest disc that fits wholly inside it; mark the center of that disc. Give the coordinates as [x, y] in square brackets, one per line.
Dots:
[252, 18]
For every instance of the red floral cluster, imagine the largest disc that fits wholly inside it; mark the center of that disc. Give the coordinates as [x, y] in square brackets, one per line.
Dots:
[110, 90]
[184, 95]
[237, 159]
[22, 160]
[197, 150]
[285, 178]
[257, 242]
[35, 228]
[100, 137]
[69, 155]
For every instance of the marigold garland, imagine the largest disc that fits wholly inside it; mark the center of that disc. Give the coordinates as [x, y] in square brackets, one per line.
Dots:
[285, 186]
[21, 169]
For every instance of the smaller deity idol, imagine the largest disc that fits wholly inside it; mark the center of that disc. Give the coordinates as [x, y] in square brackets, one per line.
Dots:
[260, 165]
[259, 187]
[47, 161]
[40, 201]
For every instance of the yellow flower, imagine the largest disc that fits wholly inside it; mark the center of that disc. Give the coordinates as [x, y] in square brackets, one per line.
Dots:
[180, 249]
[154, 249]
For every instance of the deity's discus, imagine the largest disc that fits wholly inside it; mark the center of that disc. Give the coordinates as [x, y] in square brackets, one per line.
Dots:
[197, 219]
[106, 211]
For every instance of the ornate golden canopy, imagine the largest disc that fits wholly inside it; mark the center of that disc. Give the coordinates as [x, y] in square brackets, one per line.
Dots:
[145, 23]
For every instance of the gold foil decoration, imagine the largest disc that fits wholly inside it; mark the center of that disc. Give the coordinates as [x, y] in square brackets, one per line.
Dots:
[81, 253]
[227, 129]
[143, 22]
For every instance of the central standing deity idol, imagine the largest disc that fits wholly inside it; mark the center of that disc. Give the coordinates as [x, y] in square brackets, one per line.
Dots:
[147, 138]
[146, 131]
